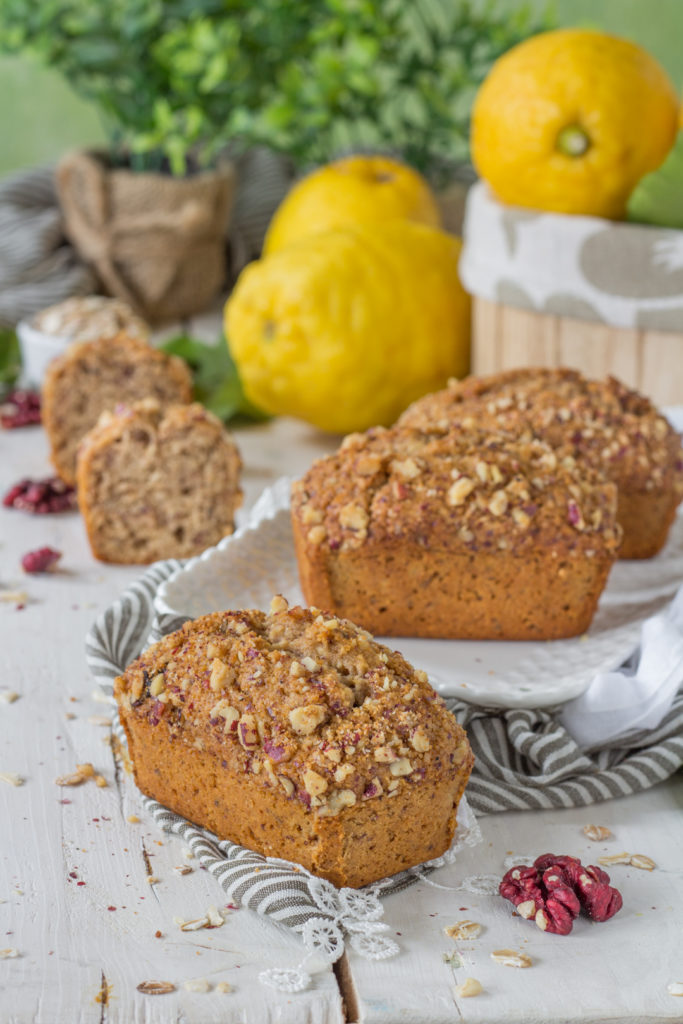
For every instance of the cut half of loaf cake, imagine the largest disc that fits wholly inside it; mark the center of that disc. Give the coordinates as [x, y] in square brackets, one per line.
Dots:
[157, 483]
[297, 735]
[92, 377]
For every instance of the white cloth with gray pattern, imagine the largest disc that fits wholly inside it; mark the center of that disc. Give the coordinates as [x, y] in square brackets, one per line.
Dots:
[620, 274]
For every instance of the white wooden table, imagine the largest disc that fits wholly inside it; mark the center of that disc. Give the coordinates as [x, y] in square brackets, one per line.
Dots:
[88, 927]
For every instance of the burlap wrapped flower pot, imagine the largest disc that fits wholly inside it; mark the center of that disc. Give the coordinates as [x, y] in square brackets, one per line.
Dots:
[155, 241]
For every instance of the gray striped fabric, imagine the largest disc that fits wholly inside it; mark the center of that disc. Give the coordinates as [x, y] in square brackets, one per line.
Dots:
[37, 265]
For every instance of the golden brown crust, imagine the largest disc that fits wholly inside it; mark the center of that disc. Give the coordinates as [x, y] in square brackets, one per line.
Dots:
[299, 736]
[418, 533]
[606, 425]
[157, 482]
[93, 376]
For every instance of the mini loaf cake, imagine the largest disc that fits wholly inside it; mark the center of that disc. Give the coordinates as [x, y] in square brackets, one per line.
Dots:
[607, 426]
[157, 483]
[297, 735]
[468, 535]
[94, 376]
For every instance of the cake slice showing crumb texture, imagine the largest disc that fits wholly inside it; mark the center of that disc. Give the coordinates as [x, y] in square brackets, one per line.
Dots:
[155, 483]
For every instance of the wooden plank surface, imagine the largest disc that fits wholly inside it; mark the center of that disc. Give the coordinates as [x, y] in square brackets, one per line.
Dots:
[73, 948]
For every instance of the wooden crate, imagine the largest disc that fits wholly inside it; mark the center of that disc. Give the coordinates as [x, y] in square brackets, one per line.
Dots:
[504, 337]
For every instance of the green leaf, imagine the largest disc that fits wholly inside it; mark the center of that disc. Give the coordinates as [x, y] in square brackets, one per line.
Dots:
[216, 380]
[658, 197]
[10, 359]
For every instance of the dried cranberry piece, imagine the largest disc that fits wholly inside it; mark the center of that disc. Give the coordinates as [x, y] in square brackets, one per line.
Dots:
[41, 560]
[20, 409]
[41, 497]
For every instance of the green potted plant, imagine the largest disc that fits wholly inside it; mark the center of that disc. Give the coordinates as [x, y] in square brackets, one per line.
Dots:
[178, 81]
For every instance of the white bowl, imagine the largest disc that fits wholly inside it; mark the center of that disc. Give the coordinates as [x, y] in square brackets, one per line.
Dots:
[37, 352]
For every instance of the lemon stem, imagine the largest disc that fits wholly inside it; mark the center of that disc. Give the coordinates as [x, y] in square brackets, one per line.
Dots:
[573, 141]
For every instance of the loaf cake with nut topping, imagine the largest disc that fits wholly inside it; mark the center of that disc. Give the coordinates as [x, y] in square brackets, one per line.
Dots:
[298, 736]
[455, 534]
[92, 377]
[607, 426]
[157, 483]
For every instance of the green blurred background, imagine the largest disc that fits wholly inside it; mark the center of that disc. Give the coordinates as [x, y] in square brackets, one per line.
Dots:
[40, 117]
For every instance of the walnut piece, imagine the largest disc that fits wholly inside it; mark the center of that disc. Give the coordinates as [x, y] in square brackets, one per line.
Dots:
[597, 833]
[469, 987]
[511, 958]
[306, 719]
[463, 930]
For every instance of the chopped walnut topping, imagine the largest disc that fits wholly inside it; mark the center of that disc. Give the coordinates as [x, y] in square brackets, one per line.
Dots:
[157, 685]
[342, 772]
[278, 604]
[334, 754]
[521, 518]
[336, 802]
[314, 783]
[296, 669]
[498, 503]
[368, 465]
[460, 490]
[310, 515]
[353, 517]
[286, 784]
[221, 675]
[310, 663]
[401, 767]
[305, 720]
[231, 715]
[406, 468]
[419, 740]
[247, 732]
[317, 535]
[385, 755]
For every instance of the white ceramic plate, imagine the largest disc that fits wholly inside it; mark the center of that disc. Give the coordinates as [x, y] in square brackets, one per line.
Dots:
[245, 570]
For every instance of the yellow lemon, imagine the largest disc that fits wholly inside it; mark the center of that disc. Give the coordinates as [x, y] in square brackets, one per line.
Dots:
[356, 190]
[348, 327]
[570, 120]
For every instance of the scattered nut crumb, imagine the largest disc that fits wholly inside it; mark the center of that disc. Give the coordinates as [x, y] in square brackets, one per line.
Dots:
[187, 853]
[99, 720]
[597, 833]
[8, 954]
[182, 869]
[101, 782]
[469, 987]
[83, 772]
[12, 778]
[215, 917]
[9, 696]
[156, 988]
[511, 958]
[639, 860]
[463, 930]
[14, 596]
[635, 860]
[152, 879]
[615, 858]
[675, 988]
[69, 715]
[223, 987]
[133, 819]
[197, 985]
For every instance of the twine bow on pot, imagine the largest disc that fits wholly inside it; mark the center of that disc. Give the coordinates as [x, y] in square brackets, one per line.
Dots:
[157, 242]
